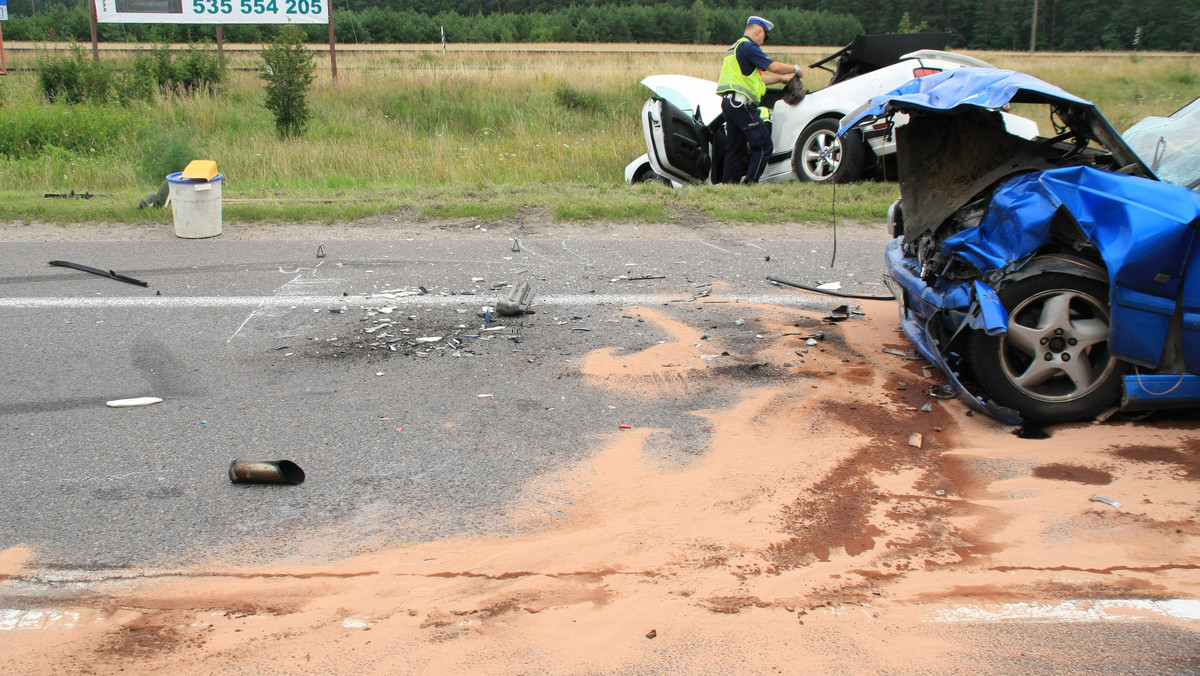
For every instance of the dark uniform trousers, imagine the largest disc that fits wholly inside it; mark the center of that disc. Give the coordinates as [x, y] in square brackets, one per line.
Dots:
[744, 126]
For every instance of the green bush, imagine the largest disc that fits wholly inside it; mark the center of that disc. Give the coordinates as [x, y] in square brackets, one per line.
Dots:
[74, 77]
[32, 129]
[197, 69]
[194, 69]
[288, 70]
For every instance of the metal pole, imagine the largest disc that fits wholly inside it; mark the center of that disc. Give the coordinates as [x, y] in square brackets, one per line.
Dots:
[220, 48]
[95, 44]
[3, 66]
[1033, 31]
[332, 48]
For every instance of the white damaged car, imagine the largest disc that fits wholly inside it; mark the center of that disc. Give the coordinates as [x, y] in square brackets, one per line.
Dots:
[685, 130]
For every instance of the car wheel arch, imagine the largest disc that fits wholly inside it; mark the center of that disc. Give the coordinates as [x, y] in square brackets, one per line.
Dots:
[1055, 262]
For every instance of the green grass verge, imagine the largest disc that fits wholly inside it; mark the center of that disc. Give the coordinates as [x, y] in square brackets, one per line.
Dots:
[790, 202]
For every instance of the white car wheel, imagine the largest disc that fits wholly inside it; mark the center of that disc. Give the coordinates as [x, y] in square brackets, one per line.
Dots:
[821, 155]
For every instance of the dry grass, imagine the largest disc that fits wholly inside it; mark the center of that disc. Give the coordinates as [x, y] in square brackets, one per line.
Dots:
[549, 118]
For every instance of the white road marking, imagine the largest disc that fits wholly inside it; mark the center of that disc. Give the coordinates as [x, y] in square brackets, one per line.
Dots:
[1108, 610]
[798, 300]
[1114, 610]
[36, 619]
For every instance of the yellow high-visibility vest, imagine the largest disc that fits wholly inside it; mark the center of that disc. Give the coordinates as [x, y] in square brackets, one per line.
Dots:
[751, 86]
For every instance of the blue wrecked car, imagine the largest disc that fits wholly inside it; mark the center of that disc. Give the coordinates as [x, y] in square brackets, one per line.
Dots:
[1052, 279]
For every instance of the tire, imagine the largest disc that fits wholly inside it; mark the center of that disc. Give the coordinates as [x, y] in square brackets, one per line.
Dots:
[1053, 365]
[647, 175]
[821, 156]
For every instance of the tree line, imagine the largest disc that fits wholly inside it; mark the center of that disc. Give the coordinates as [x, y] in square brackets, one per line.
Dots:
[1078, 25]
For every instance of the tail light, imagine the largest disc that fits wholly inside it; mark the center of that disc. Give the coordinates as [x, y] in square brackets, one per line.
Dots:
[922, 72]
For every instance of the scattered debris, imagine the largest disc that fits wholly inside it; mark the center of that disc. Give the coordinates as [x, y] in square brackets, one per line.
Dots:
[811, 342]
[914, 440]
[651, 634]
[839, 314]
[85, 195]
[485, 396]
[266, 472]
[830, 286]
[96, 271]
[927, 408]
[1106, 501]
[624, 427]
[136, 401]
[518, 300]
[941, 392]
[739, 321]
[888, 350]
[429, 339]
[321, 250]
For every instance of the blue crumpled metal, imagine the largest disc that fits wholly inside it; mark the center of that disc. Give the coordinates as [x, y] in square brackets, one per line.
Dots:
[1143, 229]
[990, 88]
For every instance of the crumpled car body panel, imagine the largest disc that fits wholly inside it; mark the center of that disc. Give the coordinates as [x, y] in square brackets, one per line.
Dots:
[1140, 233]
[1144, 231]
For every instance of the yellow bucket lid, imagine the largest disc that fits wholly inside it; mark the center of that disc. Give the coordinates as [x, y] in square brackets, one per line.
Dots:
[200, 170]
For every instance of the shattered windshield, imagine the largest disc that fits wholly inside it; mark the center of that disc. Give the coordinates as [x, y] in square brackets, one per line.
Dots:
[1170, 145]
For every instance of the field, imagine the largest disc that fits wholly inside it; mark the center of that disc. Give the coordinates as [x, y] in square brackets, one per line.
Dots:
[478, 131]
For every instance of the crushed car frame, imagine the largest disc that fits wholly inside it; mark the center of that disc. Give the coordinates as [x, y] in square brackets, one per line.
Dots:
[1051, 279]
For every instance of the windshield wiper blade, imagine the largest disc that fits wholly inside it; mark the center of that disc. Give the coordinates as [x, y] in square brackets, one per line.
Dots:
[97, 271]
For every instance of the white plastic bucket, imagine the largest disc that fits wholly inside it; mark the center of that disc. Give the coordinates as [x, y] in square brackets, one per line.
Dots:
[196, 206]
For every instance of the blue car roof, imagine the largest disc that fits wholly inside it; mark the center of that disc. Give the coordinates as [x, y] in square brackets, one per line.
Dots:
[989, 88]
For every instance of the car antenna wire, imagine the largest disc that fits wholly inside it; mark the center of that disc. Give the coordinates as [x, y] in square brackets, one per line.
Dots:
[833, 208]
[832, 260]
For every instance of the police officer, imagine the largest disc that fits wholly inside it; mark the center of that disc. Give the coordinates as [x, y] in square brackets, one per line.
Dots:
[745, 73]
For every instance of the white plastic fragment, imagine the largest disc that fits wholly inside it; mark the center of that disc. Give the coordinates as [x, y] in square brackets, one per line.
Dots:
[1111, 503]
[830, 286]
[136, 401]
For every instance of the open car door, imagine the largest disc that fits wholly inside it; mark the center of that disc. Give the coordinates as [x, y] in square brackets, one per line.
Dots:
[678, 142]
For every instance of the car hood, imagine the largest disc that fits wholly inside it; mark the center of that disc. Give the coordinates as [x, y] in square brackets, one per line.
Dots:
[687, 93]
[954, 147]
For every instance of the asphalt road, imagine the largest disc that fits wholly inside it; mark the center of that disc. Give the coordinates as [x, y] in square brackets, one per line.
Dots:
[260, 351]
[245, 344]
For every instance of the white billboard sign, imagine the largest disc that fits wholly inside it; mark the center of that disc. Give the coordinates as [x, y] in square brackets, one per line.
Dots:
[3, 10]
[212, 11]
